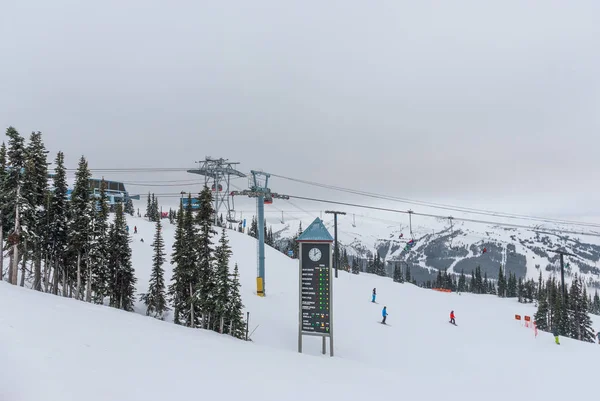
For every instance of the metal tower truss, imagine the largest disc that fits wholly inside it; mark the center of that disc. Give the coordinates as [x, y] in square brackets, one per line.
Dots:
[259, 189]
[217, 176]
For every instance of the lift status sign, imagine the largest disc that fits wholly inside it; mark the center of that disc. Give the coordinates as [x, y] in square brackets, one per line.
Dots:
[315, 288]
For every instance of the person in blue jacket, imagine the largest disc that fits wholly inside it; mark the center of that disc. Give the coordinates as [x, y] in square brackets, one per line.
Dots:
[374, 295]
[384, 314]
[598, 335]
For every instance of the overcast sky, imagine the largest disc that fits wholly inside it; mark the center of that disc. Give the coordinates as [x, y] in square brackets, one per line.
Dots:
[478, 103]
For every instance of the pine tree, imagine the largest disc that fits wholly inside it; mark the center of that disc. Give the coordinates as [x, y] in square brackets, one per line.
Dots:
[80, 224]
[408, 276]
[222, 280]
[204, 294]
[541, 316]
[355, 266]
[253, 232]
[512, 287]
[501, 283]
[38, 177]
[486, 284]
[122, 282]
[16, 204]
[149, 207]
[3, 201]
[129, 209]
[462, 282]
[179, 289]
[596, 304]
[99, 248]
[235, 316]
[587, 332]
[58, 226]
[155, 298]
[397, 277]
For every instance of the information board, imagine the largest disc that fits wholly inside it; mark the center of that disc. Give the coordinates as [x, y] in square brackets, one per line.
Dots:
[315, 288]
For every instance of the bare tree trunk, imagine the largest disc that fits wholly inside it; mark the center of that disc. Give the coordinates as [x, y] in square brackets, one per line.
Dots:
[64, 283]
[24, 265]
[15, 265]
[88, 292]
[10, 266]
[47, 269]
[15, 261]
[78, 291]
[37, 275]
[191, 307]
[55, 278]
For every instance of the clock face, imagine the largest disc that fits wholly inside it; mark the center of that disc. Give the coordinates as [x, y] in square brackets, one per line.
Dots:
[314, 254]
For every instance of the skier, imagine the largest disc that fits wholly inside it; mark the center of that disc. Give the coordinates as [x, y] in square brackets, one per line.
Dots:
[135, 230]
[127, 228]
[384, 314]
[452, 317]
[598, 335]
[555, 334]
[374, 295]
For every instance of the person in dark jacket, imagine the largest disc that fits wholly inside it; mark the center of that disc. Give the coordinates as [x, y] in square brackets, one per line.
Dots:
[384, 314]
[374, 295]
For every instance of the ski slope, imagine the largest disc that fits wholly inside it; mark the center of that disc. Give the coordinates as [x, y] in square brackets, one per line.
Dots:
[61, 349]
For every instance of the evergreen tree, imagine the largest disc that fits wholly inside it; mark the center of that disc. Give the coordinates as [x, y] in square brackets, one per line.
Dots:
[222, 279]
[462, 282]
[397, 276]
[149, 207]
[16, 205]
[541, 316]
[253, 232]
[122, 282]
[58, 227]
[501, 283]
[155, 299]
[129, 209]
[587, 332]
[37, 175]
[235, 316]
[295, 245]
[99, 248]
[204, 291]
[512, 287]
[408, 277]
[80, 223]
[355, 266]
[179, 290]
[596, 304]
[486, 284]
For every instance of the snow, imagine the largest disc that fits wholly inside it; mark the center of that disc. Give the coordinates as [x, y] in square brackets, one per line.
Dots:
[61, 349]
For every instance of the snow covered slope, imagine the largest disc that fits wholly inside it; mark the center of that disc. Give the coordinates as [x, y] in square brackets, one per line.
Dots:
[61, 349]
[458, 246]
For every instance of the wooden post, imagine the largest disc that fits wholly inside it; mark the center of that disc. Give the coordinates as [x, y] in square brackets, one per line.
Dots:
[247, 324]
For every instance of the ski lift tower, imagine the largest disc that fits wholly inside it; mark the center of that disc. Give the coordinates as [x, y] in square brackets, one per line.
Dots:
[219, 172]
[259, 188]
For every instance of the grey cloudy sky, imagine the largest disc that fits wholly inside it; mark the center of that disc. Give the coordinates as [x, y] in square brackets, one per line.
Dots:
[472, 102]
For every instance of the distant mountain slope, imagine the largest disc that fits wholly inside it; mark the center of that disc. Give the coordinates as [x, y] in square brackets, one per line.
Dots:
[459, 247]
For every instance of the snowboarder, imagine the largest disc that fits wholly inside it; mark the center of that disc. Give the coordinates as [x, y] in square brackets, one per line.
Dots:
[135, 230]
[384, 314]
[555, 334]
[374, 295]
[452, 317]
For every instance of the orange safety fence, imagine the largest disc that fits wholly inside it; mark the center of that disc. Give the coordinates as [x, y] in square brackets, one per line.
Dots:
[441, 290]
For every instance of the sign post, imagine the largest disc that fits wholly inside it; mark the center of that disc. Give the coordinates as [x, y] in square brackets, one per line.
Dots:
[315, 314]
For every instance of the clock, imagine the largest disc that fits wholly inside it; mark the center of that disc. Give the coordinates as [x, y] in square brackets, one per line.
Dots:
[314, 254]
